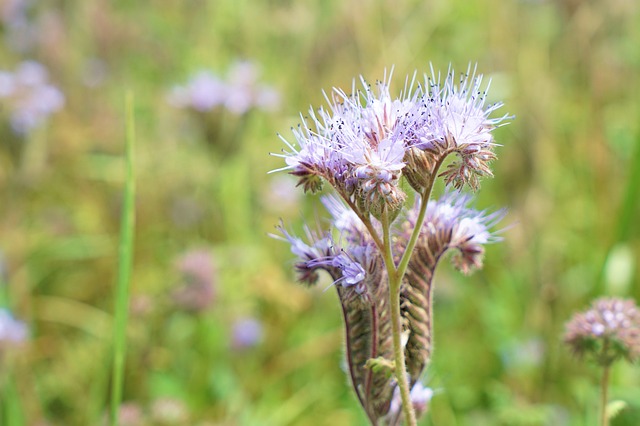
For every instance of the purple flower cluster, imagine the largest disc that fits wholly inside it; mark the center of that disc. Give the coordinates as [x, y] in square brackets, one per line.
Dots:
[450, 224]
[238, 93]
[382, 260]
[28, 96]
[610, 330]
[366, 140]
[12, 331]
[354, 261]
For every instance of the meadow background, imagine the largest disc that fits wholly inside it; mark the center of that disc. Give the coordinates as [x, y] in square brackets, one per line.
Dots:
[219, 332]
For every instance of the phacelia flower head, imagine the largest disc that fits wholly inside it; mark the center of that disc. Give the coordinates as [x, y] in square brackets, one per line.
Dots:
[451, 224]
[351, 258]
[29, 97]
[314, 255]
[453, 118]
[356, 145]
[610, 330]
[364, 142]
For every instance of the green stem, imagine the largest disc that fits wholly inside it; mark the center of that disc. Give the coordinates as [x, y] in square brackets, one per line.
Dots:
[366, 221]
[396, 274]
[426, 194]
[398, 351]
[604, 395]
[125, 258]
[396, 324]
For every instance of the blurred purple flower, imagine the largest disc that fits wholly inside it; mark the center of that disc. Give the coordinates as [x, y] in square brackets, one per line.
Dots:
[610, 330]
[169, 411]
[198, 271]
[30, 99]
[281, 195]
[203, 93]
[246, 333]
[131, 414]
[239, 93]
[13, 10]
[12, 331]
[20, 34]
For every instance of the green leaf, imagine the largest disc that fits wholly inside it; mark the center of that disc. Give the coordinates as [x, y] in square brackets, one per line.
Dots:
[614, 408]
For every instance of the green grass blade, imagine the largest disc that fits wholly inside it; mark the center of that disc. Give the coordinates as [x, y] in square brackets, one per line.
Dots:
[628, 208]
[125, 258]
[11, 412]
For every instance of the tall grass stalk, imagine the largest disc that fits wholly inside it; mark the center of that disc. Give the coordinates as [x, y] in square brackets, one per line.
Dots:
[13, 414]
[125, 258]
[629, 202]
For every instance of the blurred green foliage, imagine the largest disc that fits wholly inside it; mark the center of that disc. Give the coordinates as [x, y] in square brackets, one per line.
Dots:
[568, 171]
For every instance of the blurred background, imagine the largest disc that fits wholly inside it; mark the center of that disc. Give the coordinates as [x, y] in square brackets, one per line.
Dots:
[219, 332]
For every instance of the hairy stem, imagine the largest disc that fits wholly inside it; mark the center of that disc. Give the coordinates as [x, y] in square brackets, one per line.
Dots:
[396, 274]
[426, 194]
[366, 221]
[398, 350]
[396, 325]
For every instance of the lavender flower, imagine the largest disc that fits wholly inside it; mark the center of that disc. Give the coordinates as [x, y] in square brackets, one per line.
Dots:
[203, 92]
[198, 290]
[29, 96]
[355, 263]
[451, 224]
[12, 331]
[610, 330]
[238, 93]
[365, 141]
[312, 256]
[607, 332]
[357, 146]
[246, 333]
[453, 119]
[352, 260]
[382, 262]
